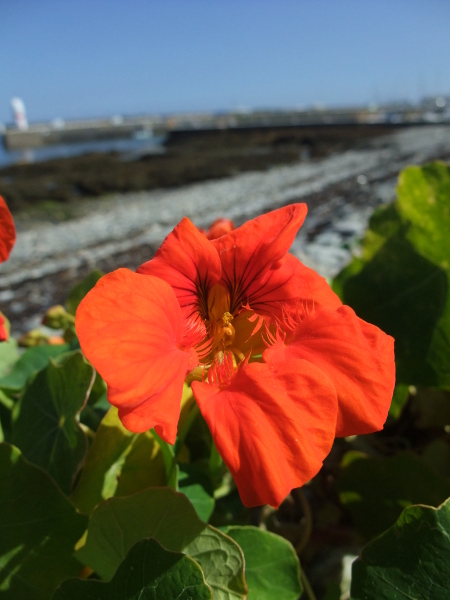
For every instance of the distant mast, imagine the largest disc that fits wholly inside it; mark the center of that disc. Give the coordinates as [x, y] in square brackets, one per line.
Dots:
[20, 116]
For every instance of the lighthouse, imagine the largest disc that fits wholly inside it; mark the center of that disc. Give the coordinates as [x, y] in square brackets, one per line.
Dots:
[20, 116]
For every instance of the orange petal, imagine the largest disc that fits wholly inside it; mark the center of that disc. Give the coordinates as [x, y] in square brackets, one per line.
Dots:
[131, 329]
[272, 424]
[189, 263]
[250, 253]
[3, 330]
[219, 227]
[292, 288]
[7, 231]
[356, 356]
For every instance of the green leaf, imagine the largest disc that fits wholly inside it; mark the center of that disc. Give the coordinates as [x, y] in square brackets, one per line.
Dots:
[376, 490]
[196, 485]
[39, 528]
[423, 200]
[167, 516]
[118, 463]
[399, 399]
[410, 560]
[149, 572]
[272, 569]
[79, 291]
[170, 462]
[401, 283]
[8, 356]
[45, 426]
[31, 361]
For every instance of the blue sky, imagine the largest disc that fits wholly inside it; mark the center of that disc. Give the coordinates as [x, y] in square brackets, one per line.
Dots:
[88, 58]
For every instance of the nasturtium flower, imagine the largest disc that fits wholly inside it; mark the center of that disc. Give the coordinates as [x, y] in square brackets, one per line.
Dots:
[279, 367]
[3, 329]
[7, 231]
[218, 228]
[7, 239]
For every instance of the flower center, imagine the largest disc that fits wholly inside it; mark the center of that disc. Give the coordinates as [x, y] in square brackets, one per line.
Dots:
[219, 319]
[232, 338]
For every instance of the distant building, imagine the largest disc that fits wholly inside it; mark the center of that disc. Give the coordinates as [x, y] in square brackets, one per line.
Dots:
[19, 113]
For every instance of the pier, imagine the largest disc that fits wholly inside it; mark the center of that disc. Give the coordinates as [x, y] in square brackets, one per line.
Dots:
[66, 132]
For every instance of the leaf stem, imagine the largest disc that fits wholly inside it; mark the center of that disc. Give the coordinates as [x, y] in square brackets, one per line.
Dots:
[307, 589]
[193, 414]
[307, 515]
[170, 461]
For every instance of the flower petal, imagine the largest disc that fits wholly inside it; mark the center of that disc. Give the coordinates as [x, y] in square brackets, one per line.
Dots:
[219, 227]
[250, 253]
[7, 231]
[189, 263]
[3, 330]
[292, 289]
[130, 327]
[272, 424]
[357, 357]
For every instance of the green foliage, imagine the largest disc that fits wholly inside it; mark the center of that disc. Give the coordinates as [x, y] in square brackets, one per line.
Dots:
[376, 490]
[401, 282]
[8, 356]
[410, 560]
[38, 530]
[153, 542]
[79, 291]
[31, 361]
[399, 398]
[168, 517]
[272, 569]
[118, 463]
[196, 485]
[45, 426]
[149, 572]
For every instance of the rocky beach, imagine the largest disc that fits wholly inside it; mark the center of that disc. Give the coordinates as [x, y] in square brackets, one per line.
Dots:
[342, 178]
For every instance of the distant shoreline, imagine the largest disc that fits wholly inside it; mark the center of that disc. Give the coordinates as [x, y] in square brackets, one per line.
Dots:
[187, 157]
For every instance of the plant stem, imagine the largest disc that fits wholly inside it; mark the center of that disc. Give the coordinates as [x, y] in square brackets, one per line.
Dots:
[307, 589]
[193, 414]
[308, 521]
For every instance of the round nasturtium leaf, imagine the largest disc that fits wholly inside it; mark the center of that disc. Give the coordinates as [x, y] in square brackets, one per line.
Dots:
[272, 568]
[401, 282]
[39, 528]
[169, 517]
[148, 571]
[409, 560]
[30, 362]
[45, 427]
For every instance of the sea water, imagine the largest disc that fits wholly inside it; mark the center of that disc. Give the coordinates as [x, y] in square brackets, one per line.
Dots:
[130, 148]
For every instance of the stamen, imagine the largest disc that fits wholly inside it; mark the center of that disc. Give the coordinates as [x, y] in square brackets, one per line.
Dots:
[222, 369]
[194, 331]
[271, 339]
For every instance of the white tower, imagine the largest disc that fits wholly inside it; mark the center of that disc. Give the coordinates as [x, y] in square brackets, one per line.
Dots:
[20, 116]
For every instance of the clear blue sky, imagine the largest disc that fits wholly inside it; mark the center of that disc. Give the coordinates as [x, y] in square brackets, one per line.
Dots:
[88, 58]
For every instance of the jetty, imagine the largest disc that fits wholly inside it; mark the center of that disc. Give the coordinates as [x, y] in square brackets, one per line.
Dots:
[65, 132]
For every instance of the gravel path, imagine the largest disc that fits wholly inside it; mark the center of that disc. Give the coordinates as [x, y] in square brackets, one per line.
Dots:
[125, 229]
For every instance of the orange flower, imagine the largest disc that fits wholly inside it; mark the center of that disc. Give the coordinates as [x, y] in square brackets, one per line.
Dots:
[280, 367]
[7, 239]
[7, 231]
[3, 330]
[218, 228]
